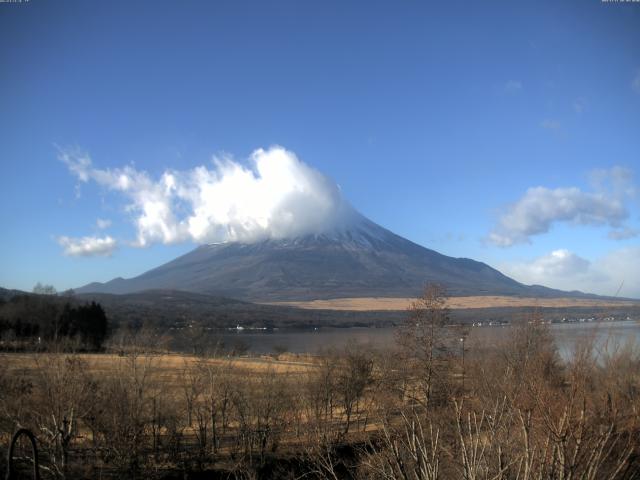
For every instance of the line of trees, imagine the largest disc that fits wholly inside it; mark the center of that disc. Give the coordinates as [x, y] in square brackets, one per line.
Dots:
[26, 320]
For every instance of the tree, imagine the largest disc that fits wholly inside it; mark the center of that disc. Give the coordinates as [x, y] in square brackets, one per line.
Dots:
[41, 289]
[353, 377]
[88, 322]
[65, 396]
[425, 341]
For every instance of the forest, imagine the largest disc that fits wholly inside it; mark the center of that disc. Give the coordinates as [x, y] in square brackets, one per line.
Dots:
[35, 321]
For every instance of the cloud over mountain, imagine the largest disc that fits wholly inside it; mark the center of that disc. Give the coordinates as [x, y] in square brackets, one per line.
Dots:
[275, 196]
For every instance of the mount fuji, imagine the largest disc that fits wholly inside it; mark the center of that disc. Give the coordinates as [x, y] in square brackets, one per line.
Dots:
[357, 259]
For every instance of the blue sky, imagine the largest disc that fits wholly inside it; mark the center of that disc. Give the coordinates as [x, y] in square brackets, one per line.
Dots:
[507, 132]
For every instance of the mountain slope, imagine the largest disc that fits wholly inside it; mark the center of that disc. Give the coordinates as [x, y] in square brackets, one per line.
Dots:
[362, 259]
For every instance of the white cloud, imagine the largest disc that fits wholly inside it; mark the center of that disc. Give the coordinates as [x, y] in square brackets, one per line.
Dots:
[278, 196]
[513, 86]
[77, 161]
[567, 271]
[557, 264]
[541, 207]
[150, 202]
[103, 223]
[87, 246]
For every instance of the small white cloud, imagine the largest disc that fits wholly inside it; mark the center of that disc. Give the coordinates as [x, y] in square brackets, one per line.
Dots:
[77, 161]
[87, 246]
[558, 263]
[551, 124]
[513, 86]
[103, 223]
[567, 271]
[561, 262]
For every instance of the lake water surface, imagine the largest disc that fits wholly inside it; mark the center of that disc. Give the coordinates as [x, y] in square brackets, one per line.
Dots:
[607, 337]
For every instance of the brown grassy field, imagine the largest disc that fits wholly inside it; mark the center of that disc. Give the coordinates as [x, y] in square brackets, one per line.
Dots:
[168, 366]
[357, 413]
[379, 303]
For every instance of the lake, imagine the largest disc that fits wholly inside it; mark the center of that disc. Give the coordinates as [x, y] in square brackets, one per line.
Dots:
[607, 336]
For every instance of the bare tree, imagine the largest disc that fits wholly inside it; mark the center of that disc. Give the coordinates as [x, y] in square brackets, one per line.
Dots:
[123, 411]
[66, 394]
[406, 449]
[353, 377]
[320, 398]
[217, 386]
[426, 342]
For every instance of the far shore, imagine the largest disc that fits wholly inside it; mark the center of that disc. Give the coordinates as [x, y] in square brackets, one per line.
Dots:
[382, 303]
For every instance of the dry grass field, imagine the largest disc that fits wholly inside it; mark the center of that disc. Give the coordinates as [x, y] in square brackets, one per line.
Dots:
[135, 404]
[379, 303]
[168, 367]
[347, 414]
